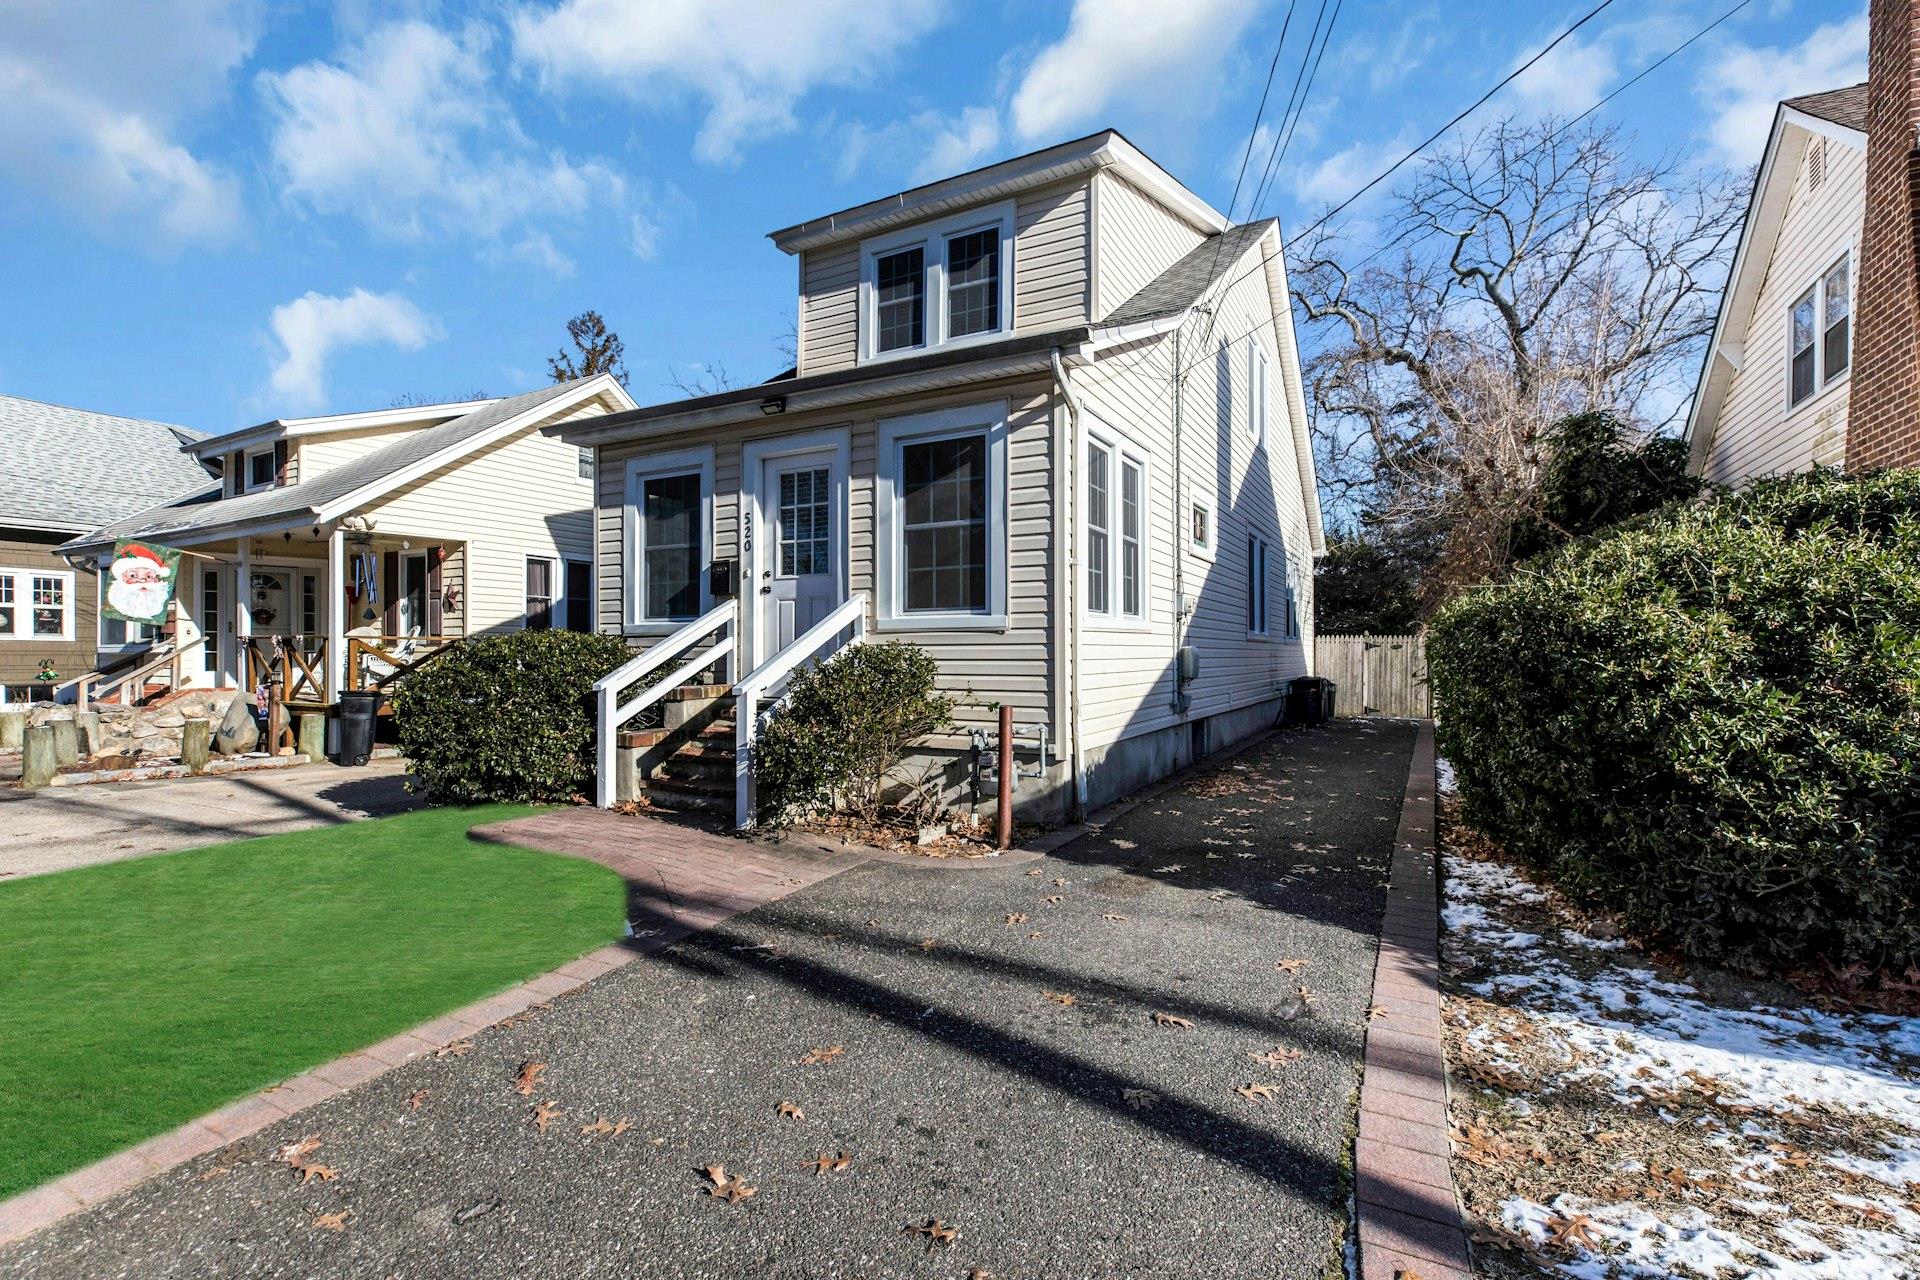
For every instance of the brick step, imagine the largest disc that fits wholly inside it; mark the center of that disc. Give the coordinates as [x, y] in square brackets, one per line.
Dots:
[699, 693]
[703, 767]
[717, 731]
[676, 793]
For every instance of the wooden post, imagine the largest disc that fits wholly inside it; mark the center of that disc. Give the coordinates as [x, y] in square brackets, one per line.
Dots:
[196, 743]
[279, 733]
[310, 740]
[336, 614]
[38, 761]
[243, 618]
[66, 741]
[1006, 776]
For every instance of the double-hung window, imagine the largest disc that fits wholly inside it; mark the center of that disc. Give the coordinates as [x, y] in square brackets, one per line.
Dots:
[1820, 338]
[1256, 585]
[942, 524]
[1115, 519]
[669, 517]
[539, 594]
[36, 604]
[937, 285]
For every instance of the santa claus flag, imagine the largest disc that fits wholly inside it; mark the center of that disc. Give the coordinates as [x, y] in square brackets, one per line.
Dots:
[140, 581]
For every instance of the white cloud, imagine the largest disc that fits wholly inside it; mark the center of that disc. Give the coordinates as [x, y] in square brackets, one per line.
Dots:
[962, 145]
[927, 145]
[406, 132]
[1571, 77]
[749, 61]
[1339, 175]
[538, 248]
[1744, 84]
[1147, 51]
[314, 326]
[96, 95]
[657, 208]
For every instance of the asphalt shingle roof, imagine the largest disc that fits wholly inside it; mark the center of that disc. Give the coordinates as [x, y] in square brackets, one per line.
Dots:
[70, 468]
[181, 517]
[1182, 284]
[1845, 107]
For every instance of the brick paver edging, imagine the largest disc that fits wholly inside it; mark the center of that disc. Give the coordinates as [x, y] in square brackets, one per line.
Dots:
[701, 895]
[1408, 1214]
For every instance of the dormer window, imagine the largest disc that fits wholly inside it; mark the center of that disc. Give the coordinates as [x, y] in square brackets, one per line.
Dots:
[936, 285]
[261, 470]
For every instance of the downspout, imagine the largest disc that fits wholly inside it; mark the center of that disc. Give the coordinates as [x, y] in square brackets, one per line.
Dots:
[1063, 524]
[1181, 533]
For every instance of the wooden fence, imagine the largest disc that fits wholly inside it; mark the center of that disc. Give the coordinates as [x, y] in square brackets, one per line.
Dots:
[1376, 675]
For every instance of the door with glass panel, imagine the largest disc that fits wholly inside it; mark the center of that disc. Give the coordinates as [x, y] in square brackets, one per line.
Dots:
[799, 572]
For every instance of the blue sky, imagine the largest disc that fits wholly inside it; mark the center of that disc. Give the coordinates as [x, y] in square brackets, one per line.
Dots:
[220, 211]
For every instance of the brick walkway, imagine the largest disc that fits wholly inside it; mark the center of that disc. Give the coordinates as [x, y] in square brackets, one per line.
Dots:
[680, 880]
[1409, 1215]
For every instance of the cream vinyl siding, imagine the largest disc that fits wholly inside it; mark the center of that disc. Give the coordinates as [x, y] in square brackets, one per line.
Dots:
[1012, 666]
[1051, 278]
[1138, 238]
[1758, 433]
[520, 497]
[1127, 675]
[313, 456]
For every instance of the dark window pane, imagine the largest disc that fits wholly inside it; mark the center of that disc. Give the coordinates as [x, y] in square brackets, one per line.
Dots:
[1099, 502]
[674, 547]
[1835, 354]
[1130, 539]
[901, 285]
[1802, 375]
[973, 283]
[539, 595]
[944, 524]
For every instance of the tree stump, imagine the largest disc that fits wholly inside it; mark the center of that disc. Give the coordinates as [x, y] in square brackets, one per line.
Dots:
[66, 740]
[39, 761]
[196, 744]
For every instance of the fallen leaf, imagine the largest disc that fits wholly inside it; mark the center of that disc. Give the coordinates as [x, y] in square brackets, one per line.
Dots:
[333, 1221]
[824, 1163]
[1569, 1232]
[544, 1113]
[1172, 1020]
[1257, 1092]
[730, 1187]
[308, 1172]
[927, 944]
[1307, 998]
[1016, 917]
[1112, 918]
[1061, 881]
[610, 1128]
[814, 1057]
[1276, 1056]
[1290, 966]
[1376, 1011]
[936, 1232]
[1062, 998]
[458, 1049]
[791, 1112]
[1140, 1099]
[1036, 871]
[296, 1153]
[529, 1078]
[418, 1098]
[1054, 900]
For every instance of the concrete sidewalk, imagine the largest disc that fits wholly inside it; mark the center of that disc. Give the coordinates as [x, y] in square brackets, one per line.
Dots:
[1091, 1064]
[64, 827]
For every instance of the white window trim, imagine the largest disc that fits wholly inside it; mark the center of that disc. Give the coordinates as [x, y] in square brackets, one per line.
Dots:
[677, 463]
[246, 470]
[1259, 381]
[586, 463]
[1121, 450]
[1199, 497]
[556, 599]
[1260, 585]
[933, 237]
[23, 605]
[1817, 286]
[941, 424]
[756, 555]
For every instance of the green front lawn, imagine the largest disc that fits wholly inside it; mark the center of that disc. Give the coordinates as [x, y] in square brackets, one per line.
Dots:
[137, 995]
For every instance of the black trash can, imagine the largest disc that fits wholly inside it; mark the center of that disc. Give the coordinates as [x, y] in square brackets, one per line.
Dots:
[356, 712]
[1309, 700]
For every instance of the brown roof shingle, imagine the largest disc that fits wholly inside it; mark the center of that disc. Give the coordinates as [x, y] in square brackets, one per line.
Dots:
[1845, 107]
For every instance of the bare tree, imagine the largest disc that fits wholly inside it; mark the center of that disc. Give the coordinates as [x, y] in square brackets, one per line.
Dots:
[1528, 272]
[416, 399]
[596, 349]
[704, 379]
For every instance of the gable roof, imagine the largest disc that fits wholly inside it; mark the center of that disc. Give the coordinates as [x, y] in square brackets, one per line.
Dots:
[70, 469]
[1103, 150]
[1845, 107]
[1183, 284]
[358, 481]
[1794, 127]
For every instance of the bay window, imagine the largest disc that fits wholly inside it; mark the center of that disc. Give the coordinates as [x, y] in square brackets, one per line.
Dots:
[936, 285]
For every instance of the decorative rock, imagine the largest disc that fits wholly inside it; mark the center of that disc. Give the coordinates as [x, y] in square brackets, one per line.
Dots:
[13, 729]
[66, 740]
[38, 762]
[238, 732]
[311, 735]
[196, 739]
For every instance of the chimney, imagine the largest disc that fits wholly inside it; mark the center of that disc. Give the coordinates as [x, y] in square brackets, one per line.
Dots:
[1883, 407]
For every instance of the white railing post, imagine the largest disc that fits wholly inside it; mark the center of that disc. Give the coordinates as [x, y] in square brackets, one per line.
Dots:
[746, 728]
[610, 713]
[851, 616]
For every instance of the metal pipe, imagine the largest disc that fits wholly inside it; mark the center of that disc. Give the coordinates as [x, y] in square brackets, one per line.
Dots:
[1068, 477]
[1006, 776]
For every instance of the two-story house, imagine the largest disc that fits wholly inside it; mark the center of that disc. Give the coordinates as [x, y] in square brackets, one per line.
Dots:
[1046, 421]
[64, 471]
[359, 542]
[1815, 358]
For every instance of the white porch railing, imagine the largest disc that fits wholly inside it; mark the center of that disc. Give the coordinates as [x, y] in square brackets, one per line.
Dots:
[821, 639]
[613, 713]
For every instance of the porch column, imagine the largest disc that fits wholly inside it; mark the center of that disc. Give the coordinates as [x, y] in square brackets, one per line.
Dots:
[336, 590]
[242, 612]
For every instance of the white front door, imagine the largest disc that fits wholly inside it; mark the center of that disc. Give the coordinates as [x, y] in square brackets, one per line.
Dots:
[800, 579]
[410, 606]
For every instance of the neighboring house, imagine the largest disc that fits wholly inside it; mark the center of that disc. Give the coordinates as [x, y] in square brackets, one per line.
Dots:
[984, 442]
[1815, 359]
[1774, 395]
[364, 540]
[65, 471]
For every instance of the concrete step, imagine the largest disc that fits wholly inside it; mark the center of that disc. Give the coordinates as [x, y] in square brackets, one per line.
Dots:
[674, 793]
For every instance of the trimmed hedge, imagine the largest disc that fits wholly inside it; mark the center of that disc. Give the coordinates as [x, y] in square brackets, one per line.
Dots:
[505, 718]
[1709, 720]
[844, 727]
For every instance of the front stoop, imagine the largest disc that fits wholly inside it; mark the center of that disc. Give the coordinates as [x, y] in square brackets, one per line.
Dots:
[681, 881]
[1408, 1213]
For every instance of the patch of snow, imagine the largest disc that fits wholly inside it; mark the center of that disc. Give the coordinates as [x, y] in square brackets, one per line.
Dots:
[1443, 776]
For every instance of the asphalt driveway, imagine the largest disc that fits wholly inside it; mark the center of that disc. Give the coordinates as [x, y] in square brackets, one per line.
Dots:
[982, 1045]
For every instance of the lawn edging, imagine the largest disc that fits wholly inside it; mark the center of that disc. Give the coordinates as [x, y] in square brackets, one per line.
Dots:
[1408, 1213]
